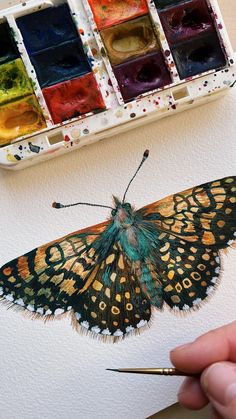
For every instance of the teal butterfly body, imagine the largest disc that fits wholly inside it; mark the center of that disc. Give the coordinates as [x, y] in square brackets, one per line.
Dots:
[110, 277]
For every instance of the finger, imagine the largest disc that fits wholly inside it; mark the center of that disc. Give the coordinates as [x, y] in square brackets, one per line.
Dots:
[223, 412]
[198, 355]
[219, 384]
[191, 394]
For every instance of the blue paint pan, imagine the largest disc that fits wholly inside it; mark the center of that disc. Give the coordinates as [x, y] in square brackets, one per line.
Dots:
[47, 28]
[61, 63]
[199, 55]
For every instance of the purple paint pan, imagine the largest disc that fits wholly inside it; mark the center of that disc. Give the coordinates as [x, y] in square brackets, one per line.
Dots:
[141, 75]
[187, 20]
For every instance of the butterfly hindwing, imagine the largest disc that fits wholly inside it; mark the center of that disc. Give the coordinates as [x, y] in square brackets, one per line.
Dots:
[114, 303]
[46, 280]
[205, 214]
[190, 276]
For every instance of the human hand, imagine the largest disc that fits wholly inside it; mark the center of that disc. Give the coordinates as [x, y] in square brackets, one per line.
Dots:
[213, 357]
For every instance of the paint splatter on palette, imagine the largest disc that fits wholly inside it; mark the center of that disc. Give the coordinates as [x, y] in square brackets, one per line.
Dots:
[74, 72]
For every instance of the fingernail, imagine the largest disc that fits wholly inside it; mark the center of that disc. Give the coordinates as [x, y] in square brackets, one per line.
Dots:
[219, 382]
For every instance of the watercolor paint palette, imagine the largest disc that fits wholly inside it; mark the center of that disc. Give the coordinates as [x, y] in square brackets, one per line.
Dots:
[73, 72]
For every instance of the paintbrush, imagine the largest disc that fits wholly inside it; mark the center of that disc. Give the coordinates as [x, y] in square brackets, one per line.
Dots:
[153, 371]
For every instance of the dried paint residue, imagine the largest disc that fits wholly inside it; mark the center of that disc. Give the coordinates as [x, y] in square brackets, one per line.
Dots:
[20, 118]
[73, 98]
[111, 12]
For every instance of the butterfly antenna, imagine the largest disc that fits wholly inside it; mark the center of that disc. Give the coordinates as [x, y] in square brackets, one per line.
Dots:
[145, 156]
[57, 205]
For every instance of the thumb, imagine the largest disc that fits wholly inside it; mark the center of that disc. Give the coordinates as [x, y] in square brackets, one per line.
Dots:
[219, 383]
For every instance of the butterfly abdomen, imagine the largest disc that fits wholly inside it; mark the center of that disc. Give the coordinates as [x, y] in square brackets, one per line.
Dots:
[150, 284]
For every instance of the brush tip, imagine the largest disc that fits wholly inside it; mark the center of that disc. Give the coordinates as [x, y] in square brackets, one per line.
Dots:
[112, 369]
[56, 205]
[146, 154]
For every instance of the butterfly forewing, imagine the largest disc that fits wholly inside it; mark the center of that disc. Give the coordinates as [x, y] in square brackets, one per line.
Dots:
[46, 280]
[205, 214]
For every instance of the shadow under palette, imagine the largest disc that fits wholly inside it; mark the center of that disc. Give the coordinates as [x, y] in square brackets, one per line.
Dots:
[64, 63]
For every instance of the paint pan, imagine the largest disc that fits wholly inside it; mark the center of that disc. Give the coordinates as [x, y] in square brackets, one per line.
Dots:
[130, 39]
[14, 81]
[111, 12]
[142, 74]
[73, 98]
[197, 56]
[186, 21]
[8, 49]
[76, 71]
[60, 63]
[47, 28]
[20, 118]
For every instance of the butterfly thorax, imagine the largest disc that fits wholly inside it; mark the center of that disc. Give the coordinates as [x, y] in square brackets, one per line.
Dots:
[123, 214]
[123, 217]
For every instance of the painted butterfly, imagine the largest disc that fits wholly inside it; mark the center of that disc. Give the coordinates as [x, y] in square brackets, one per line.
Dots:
[111, 276]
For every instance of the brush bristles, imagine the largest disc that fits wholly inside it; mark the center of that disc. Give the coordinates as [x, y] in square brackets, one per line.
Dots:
[146, 154]
[57, 205]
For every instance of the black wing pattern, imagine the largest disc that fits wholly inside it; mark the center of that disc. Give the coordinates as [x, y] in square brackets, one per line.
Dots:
[192, 226]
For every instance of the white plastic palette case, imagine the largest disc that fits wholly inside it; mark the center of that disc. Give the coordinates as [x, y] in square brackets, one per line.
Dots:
[75, 72]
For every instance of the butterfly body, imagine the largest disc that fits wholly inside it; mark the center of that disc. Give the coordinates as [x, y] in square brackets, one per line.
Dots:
[110, 277]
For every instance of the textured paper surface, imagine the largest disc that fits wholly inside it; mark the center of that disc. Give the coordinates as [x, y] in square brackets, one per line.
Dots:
[50, 372]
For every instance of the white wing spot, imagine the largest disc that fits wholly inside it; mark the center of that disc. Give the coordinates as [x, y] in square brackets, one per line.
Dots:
[58, 311]
[129, 329]
[30, 307]
[85, 324]
[69, 308]
[142, 323]
[20, 302]
[1, 291]
[106, 332]
[230, 242]
[209, 290]
[9, 297]
[214, 280]
[186, 307]
[48, 312]
[217, 270]
[197, 301]
[217, 259]
[78, 316]
[118, 333]
[40, 310]
[96, 329]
